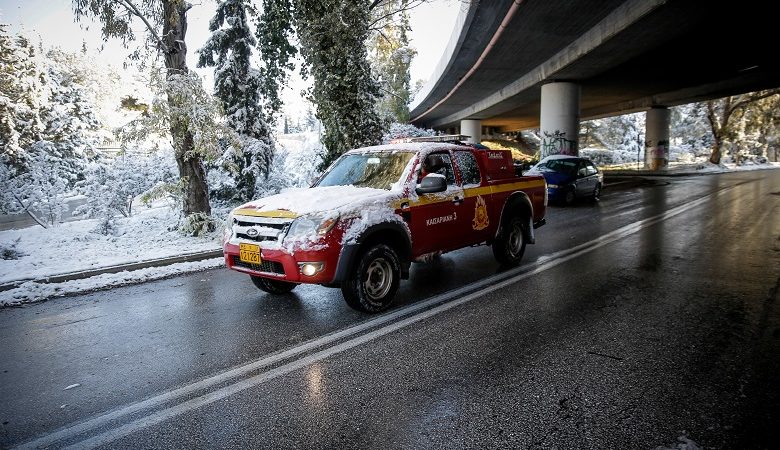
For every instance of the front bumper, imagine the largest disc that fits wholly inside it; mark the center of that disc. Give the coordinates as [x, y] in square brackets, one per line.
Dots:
[279, 264]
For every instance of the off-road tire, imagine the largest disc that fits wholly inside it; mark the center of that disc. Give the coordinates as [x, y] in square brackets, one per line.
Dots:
[509, 246]
[275, 287]
[374, 282]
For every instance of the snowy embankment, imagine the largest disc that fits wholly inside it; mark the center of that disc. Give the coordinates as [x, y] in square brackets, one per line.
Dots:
[32, 291]
[74, 246]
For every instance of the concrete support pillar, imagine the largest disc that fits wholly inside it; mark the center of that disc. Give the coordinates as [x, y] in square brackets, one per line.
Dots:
[657, 125]
[560, 119]
[472, 128]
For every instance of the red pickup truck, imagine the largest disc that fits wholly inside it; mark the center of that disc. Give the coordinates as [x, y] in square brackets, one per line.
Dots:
[378, 209]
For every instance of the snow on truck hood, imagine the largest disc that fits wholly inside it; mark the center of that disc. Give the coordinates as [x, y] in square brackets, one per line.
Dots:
[295, 202]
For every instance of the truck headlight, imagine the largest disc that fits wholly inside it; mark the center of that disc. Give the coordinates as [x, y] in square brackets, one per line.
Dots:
[312, 225]
[553, 186]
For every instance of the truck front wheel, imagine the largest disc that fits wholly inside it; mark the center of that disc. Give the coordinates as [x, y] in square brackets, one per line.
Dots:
[509, 246]
[273, 286]
[373, 285]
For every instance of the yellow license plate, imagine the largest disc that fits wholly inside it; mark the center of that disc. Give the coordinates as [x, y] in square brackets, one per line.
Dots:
[249, 253]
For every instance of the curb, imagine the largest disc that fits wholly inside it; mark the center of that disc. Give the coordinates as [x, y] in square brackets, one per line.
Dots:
[198, 256]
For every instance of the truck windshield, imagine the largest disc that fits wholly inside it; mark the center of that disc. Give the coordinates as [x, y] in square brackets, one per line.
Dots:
[373, 169]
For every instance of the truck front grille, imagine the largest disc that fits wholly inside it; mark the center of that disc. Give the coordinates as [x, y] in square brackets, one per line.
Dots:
[264, 266]
[260, 229]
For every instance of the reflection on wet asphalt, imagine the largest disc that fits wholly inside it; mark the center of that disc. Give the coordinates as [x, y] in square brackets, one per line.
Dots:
[671, 331]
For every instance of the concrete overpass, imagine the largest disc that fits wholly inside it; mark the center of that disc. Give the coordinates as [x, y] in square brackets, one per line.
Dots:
[595, 58]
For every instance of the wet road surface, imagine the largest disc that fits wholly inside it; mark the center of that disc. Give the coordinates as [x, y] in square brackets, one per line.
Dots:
[650, 315]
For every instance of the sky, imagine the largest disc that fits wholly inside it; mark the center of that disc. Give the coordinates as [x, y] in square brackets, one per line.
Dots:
[53, 22]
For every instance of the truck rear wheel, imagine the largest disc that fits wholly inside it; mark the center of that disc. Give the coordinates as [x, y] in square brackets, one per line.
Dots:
[509, 246]
[373, 285]
[273, 286]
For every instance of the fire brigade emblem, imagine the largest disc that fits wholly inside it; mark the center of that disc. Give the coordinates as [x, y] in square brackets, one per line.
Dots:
[481, 220]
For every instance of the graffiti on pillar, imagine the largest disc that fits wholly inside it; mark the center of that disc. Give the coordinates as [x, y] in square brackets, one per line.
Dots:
[656, 154]
[556, 144]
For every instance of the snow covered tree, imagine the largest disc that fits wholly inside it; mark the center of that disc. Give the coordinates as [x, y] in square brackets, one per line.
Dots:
[720, 114]
[111, 185]
[332, 34]
[689, 129]
[71, 124]
[181, 99]
[276, 46]
[405, 130]
[238, 86]
[332, 37]
[38, 191]
[22, 95]
[624, 133]
[166, 25]
[391, 56]
[762, 128]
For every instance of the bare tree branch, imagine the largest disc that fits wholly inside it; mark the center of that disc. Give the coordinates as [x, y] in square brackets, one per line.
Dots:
[381, 19]
[27, 210]
[131, 8]
[754, 97]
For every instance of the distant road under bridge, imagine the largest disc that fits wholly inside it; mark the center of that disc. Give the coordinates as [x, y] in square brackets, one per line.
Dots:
[514, 65]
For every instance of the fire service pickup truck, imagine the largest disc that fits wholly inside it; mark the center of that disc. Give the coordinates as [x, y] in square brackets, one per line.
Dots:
[378, 209]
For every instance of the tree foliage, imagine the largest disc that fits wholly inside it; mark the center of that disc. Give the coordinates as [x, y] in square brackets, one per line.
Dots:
[391, 56]
[332, 35]
[238, 86]
[49, 125]
[276, 46]
[727, 117]
[22, 84]
[111, 185]
[165, 22]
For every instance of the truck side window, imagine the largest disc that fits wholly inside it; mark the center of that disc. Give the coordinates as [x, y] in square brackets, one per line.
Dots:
[439, 163]
[469, 169]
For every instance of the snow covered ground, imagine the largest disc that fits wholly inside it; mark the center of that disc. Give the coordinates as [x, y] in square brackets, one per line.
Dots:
[36, 253]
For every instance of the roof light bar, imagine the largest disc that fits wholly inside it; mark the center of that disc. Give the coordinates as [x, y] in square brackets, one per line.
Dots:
[442, 138]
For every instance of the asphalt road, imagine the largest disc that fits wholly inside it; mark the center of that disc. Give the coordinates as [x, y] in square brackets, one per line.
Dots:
[647, 317]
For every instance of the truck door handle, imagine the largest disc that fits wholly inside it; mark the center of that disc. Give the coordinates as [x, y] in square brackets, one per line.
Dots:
[457, 200]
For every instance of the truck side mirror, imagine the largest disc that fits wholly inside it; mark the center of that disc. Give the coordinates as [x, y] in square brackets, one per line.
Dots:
[431, 184]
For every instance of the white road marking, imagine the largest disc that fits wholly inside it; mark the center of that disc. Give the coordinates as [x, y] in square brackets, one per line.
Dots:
[466, 294]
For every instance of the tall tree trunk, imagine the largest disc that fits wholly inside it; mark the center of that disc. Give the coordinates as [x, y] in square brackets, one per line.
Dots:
[715, 155]
[718, 124]
[191, 171]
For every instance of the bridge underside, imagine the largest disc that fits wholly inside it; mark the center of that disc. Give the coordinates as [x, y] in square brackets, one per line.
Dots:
[627, 56]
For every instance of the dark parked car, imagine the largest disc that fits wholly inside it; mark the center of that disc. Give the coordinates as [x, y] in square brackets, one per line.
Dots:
[569, 177]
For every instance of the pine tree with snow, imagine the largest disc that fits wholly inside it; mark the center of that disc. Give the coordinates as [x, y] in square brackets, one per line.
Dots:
[238, 86]
[71, 124]
[22, 95]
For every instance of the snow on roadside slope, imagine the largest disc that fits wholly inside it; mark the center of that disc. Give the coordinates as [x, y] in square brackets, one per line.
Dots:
[32, 292]
[72, 246]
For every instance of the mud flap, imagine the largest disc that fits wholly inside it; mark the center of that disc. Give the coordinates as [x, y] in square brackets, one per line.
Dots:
[530, 227]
